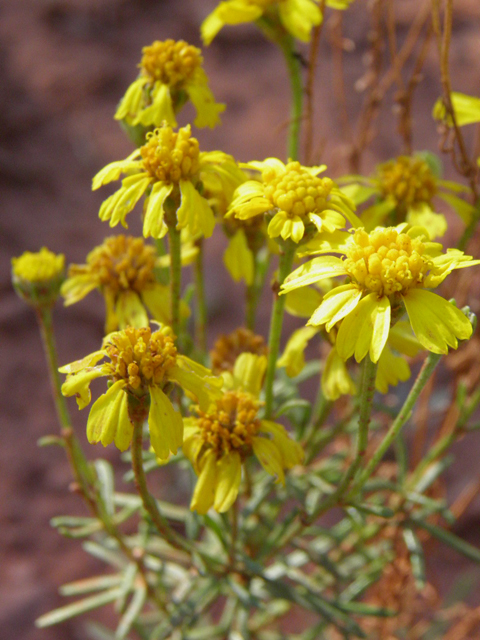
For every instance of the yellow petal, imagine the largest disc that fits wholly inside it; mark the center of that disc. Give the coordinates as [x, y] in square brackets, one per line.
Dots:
[436, 323]
[164, 423]
[130, 310]
[291, 451]
[402, 339]
[336, 380]
[131, 101]
[202, 99]
[299, 17]
[365, 329]
[194, 212]
[206, 388]
[249, 372]
[159, 111]
[239, 259]
[84, 363]
[293, 357]
[77, 287]
[103, 420]
[204, 493]
[466, 109]
[229, 475]
[302, 302]
[336, 304]
[269, 457]
[391, 370]
[153, 223]
[157, 299]
[114, 170]
[316, 269]
[78, 384]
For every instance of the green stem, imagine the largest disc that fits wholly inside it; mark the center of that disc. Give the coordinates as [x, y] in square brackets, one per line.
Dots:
[45, 321]
[261, 264]
[137, 412]
[285, 266]
[175, 276]
[367, 391]
[292, 60]
[201, 306]
[427, 369]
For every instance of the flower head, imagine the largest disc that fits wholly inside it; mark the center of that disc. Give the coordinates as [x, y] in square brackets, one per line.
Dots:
[228, 348]
[297, 200]
[387, 267]
[219, 440]
[298, 17]
[123, 269]
[170, 166]
[170, 72]
[406, 188]
[37, 277]
[143, 364]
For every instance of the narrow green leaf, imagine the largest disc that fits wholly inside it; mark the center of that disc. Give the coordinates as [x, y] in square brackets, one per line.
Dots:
[126, 586]
[77, 608]
[98, 583]
[132, 612]
[106, 555]
[364, 609]
[417, 560]
[294, 404]
[48, 441]
[449, 538]
[375, 510]
[106, 484]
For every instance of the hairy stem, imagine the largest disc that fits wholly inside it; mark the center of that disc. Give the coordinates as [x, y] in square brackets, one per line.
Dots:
[175, 276]
[295, 74]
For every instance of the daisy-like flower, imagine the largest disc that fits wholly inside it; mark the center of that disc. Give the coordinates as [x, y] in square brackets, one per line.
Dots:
[298, 17]
[228, 347]
[295, 199]
[141, 363]
[170, 73]
[405, 189]
[37, 277]
[336, 380]
[123, 269]
[220, 439]
[168, 169]
[387, 267]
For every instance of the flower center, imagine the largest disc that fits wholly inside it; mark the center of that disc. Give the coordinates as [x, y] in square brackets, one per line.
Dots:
[171, 62]
[296, 192]
[228, 347]
[231, 424]
[123, 263]
[169, 156]
[38, 267]
[140, 357]
[409, 181]
[386, 262]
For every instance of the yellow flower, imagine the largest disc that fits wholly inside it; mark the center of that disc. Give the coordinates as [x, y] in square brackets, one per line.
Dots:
[297, 16]
[228, 347]
[37, 277]
[170, 72]
[405, 188]
[141, 363]
[123, 268]
[168, 169]
[219, 440]
[466, 108]
[387, 267]
[297, 201]
[335, 379]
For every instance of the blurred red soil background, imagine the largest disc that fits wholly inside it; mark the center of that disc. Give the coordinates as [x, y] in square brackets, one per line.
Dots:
[64, 64]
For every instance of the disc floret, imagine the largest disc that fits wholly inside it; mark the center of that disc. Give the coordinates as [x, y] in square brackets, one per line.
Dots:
[170, 156]
[170, 62]
[386, 261]
[408, 180]
[231, 424]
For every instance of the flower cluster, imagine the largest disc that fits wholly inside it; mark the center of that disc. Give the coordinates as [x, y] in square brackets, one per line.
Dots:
[140, 363]
[219, 440]
[388, 267]
[170, 72]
